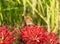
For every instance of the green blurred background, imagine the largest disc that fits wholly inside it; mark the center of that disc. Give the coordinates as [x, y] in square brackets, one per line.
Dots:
[44, 13]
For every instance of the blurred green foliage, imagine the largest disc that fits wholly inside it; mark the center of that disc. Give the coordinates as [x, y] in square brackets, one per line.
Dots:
[43, 13]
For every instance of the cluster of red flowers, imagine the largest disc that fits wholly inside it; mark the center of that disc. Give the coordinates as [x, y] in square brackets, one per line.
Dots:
[29, 35]
[37, 35]
[5, 36]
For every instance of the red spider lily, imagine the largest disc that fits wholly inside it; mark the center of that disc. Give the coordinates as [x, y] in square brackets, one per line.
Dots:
[6, 37]
[52, 37]
[37, 35]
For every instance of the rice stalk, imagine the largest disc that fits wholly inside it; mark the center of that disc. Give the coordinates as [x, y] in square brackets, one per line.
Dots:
[37, 12]
[33, 6]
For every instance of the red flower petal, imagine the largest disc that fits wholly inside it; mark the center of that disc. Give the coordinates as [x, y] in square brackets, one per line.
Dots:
[37, 35]
[6, 36]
